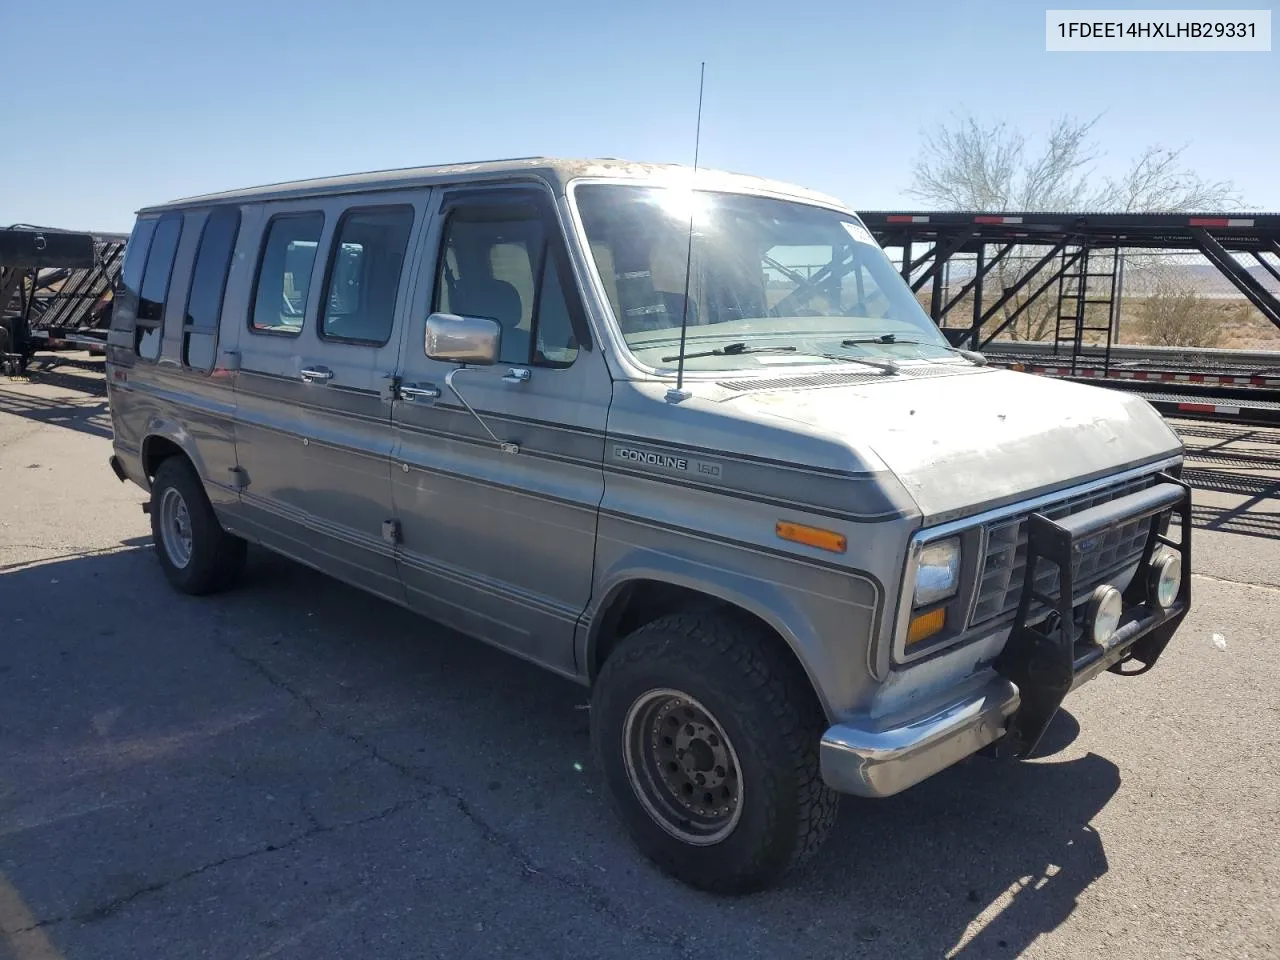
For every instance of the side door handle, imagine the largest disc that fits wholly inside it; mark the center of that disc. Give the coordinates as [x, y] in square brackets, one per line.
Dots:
[517, 375]
[316, 374]
[418, 391]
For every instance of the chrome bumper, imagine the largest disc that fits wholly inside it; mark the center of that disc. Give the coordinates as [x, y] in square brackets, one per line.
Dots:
[879, 760]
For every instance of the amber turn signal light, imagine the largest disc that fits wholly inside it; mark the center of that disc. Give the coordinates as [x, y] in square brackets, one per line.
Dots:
[925, 625]
[812, 536]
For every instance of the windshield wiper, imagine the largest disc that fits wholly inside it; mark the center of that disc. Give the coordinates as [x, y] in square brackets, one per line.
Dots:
[888, 366]
[730, 350]
[969, 355]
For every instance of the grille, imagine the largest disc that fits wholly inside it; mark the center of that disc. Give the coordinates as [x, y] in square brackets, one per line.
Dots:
[1004, 565]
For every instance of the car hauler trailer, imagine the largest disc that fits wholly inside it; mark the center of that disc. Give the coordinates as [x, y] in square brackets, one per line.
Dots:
[56, 287]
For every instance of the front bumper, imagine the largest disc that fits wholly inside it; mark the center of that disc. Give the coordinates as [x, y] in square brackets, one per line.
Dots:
[1013, 701]
[884, 759]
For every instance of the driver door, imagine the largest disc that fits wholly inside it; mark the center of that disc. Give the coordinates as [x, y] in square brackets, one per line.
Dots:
[498, 537]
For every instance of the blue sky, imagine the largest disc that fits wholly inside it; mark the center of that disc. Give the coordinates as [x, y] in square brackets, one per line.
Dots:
[147, 100]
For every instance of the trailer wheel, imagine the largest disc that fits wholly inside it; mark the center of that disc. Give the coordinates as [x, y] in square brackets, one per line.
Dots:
[7, 366]
[196, 554]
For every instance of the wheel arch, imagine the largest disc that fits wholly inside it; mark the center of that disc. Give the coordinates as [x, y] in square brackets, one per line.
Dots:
[642, 595]
[163, 439]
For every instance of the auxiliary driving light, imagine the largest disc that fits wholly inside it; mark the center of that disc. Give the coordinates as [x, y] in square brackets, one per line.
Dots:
[1166, 578]
[1104, 613]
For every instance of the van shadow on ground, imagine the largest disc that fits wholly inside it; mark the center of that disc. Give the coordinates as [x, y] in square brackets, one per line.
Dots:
[280, 686]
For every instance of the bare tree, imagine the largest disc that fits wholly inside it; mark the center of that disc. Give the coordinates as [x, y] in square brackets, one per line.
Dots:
[976, 165]
[1173, 314]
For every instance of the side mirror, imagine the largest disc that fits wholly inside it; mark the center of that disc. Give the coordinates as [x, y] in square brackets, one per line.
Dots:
[456, 339]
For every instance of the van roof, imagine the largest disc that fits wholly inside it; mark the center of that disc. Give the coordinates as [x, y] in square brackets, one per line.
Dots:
[555, 172]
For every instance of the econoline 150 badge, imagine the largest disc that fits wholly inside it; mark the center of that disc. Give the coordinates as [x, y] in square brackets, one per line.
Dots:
[675, 462]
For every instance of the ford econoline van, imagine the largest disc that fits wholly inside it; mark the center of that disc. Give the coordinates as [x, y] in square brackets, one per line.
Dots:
[683, 436]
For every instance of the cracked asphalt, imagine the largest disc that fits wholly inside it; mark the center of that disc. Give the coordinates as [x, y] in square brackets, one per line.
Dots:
[295, 769]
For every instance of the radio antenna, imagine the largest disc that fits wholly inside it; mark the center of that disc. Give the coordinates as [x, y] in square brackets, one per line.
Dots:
[679, 393]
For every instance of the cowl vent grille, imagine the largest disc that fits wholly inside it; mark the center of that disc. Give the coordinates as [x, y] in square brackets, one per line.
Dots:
[812, 381]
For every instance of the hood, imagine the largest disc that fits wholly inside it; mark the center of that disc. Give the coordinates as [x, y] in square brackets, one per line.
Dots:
[964, 443]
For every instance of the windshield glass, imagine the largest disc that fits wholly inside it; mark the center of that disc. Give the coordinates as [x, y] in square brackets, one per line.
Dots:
[772, 281]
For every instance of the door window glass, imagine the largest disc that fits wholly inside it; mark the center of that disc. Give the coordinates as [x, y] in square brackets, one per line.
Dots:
[364, 275]
[284, 273]
[505, 269]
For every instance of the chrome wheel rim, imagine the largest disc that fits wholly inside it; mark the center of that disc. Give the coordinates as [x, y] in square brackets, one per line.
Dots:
[175, 527]
[682, 767]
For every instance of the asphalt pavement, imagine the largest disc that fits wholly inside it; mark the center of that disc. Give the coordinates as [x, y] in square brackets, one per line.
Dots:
[295, 769]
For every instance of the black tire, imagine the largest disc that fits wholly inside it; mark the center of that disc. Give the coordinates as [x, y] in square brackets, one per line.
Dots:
[8, 368]
[214, 559]
[771, 724]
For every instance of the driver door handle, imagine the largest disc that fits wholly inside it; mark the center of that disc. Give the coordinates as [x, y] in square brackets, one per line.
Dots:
[316, 374]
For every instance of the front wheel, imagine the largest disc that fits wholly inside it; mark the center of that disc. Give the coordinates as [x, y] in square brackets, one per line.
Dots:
[708, 741]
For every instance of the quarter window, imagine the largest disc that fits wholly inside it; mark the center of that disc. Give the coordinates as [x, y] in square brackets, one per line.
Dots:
[284, 273]
[208, 283]
[364, 275]
[135, 260]
[149, 325]
[506, 269]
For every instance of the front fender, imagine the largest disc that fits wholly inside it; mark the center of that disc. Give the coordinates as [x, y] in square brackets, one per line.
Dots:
[764, 599]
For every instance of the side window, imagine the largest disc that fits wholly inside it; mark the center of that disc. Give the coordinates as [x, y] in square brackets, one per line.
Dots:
[364, 275]
[284, 273]
[503, 268]
[149, 324]
[130, 288]
[208, 283]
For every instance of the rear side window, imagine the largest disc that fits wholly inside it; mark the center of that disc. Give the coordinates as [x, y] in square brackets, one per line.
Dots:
[364, 275]
[135, 259]
[208, 283]
[284, 273]
[149, 326]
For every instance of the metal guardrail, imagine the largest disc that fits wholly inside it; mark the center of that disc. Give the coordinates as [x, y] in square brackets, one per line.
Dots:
[1225, 386]
[1129, 353]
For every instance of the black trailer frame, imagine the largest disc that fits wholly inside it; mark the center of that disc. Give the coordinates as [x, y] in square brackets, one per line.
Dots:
[1082, 257]
[56, 286]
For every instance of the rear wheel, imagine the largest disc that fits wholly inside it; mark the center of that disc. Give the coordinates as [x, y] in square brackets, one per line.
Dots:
[708, 741]
[196, 554]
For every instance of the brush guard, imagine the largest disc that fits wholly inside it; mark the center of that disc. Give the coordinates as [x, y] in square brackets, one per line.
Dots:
[1047, 660]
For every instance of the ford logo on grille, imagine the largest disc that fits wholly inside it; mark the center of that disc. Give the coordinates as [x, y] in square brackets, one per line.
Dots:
[1088, 546]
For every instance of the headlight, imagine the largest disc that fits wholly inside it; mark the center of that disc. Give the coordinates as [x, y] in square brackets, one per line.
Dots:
[937, 571]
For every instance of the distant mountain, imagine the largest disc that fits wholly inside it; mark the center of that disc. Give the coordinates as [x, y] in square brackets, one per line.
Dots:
[1204, 278]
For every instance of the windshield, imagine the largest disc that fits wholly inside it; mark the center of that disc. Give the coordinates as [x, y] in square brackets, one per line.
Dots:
[772, 281]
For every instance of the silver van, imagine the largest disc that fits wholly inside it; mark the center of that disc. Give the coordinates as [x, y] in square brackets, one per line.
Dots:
[683, 436]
